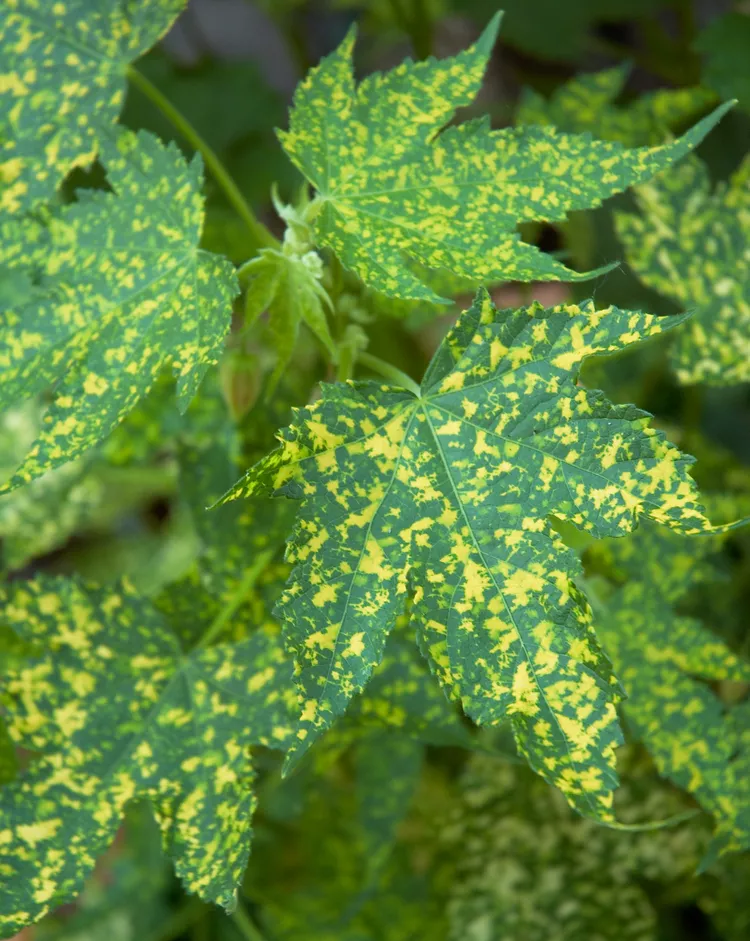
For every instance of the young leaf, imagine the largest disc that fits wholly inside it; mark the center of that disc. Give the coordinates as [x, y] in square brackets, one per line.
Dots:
[690, 244]
[396, 186]
[659, 656]
[63, 85]
[287, 284]
[119, 711]
[125, 289]
[587, 103]
[448, 495]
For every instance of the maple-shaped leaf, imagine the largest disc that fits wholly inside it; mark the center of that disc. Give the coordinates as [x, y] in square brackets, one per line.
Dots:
[396, 186]
[447, 494]
[526, 868]
[339, 891]
[690, 244]
[118, 710]
[665, 661]
[63, 84]
[124, 290]
[587, 103]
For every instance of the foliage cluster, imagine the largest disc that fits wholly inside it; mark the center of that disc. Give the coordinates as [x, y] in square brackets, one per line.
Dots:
[462, 651]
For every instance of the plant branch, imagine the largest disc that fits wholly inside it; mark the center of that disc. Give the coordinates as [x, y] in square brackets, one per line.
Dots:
[230, 608]
[260, 234]
[389, 372]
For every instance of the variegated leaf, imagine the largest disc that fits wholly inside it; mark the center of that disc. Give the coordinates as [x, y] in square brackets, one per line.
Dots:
[117, 710]
[123, 290]
[690, 243]
[587, 103]
[63, 83]
[447, 494]
[395, 186]
[665, 661]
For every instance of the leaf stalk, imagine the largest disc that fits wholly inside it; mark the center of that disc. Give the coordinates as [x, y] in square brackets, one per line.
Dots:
[378, 365]
[230, 608]
[260, 234]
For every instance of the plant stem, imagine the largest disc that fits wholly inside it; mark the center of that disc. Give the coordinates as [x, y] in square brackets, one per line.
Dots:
[243, 589]
[260, 234]
[246, 926]
[346, 363]
[389, 372]
[655, 824]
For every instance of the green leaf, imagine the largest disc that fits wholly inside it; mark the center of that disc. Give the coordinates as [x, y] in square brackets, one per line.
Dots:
[63, 84]
[117, 710]
[690, 244]
[125, 290]
[387, 769]
[316, 882]
[725, 44]
[396, 187]
[587, 103]
[447, 496]
[664, 661]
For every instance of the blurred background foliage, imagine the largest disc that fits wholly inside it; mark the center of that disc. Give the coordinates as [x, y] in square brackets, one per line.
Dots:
[382, 837]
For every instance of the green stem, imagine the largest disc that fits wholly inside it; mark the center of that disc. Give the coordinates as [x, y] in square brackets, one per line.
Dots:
[230, 609]
[654, 824]
[246, 926]
[389, 372]
[260, 234]
[346, 363]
